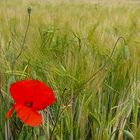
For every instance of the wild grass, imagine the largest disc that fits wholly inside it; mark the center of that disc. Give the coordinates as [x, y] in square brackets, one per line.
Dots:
[88, 54]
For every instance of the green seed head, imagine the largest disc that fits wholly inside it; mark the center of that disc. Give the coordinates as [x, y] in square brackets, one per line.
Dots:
[29, 10]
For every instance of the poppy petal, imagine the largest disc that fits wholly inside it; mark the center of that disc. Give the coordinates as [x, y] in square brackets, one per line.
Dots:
[9, 113]
[28, 115]
[33, 91]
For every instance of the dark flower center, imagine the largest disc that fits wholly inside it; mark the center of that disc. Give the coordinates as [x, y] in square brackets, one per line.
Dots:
[28, 104]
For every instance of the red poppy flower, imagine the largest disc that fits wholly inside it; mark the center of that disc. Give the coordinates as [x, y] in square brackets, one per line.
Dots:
[30, 96]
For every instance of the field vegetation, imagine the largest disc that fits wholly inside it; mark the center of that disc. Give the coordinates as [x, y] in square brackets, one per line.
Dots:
[88, 53]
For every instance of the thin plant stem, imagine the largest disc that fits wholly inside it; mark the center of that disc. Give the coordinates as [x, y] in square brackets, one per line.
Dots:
[25, 35]
[57, 117]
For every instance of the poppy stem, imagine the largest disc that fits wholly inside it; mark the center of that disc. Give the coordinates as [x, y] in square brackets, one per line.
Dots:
[57, 118]
[106, 62]
[24, 39]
